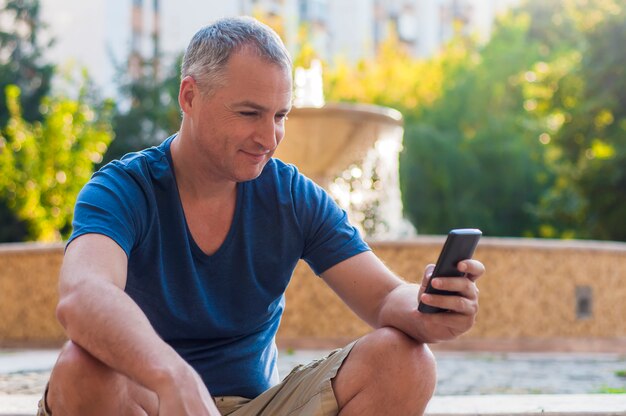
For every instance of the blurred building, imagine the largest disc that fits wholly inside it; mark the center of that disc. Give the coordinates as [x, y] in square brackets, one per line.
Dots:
[109, 36]
[355, 28]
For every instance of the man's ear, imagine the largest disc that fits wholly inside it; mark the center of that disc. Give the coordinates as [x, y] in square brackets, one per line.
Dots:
[187, 92]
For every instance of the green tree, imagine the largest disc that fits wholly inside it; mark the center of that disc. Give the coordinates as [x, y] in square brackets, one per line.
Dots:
[21, 56]
[472, 158]
[44, 164]
[592, 139]
[394, 78]
[529, 139]
[148, 111]
[21, 64]
[574, 95]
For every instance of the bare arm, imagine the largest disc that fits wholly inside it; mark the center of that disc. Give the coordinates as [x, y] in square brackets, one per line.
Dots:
[100, 317]
[381, 299]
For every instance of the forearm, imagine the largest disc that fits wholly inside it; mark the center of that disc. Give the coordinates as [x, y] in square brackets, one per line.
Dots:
[106, 322]
[399, 310]
[382, 299]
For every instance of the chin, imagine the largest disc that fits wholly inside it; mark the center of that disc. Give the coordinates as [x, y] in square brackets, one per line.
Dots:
[249, 171]
[250, 175]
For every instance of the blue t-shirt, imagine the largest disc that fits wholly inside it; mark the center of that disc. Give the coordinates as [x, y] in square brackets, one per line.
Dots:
[220, 312]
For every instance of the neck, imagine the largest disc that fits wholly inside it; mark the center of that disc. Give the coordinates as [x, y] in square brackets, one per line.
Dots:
[194, 180]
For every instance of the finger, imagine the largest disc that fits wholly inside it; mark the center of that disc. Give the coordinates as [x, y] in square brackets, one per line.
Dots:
[473, 269]
[453, 322]
[456, 304]
[428, 272]
[461, 285]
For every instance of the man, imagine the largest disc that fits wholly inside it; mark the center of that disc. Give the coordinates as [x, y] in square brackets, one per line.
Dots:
[172, 285]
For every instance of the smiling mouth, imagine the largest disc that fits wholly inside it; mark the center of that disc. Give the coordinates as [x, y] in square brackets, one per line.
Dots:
[256, 156]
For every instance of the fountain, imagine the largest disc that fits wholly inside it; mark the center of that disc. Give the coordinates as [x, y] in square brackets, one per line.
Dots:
[352, 151]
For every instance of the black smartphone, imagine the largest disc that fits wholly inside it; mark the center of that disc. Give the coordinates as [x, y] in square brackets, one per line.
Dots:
[459, 245]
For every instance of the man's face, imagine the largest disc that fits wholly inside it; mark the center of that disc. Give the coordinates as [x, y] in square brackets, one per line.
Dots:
[236, 130]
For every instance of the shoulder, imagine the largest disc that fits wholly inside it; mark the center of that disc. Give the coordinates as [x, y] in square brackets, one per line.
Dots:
[277, 176]
[129, 183]
[285, 174]
[136, 168]
[142, 161]
[120, 199]
[289, 185]
[278, 168]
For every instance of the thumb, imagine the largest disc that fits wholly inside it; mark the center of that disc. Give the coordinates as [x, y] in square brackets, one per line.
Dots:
[428, 272]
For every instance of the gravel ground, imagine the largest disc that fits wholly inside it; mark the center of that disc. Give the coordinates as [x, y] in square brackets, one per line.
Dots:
[459, 373]
[465, 374]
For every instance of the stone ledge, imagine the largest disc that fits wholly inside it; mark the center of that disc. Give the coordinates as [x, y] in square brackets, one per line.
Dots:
[500, 405]
[28, 247]
[18, 404]
[544, 404]
[530, 292]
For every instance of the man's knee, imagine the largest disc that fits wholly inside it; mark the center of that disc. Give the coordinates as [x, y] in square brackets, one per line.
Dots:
[81, 384]
[75, 364]
[388, 354]
[395, 351]
[77, 379]
[387, 372]
[72, 355]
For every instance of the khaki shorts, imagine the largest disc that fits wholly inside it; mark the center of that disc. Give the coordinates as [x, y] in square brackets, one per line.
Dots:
[306, 391]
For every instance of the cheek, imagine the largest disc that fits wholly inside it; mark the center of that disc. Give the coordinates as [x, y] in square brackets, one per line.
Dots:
[280, 133]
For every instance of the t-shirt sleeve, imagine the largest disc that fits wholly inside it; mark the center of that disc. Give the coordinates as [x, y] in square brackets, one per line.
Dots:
[111, 203]
[329, 238]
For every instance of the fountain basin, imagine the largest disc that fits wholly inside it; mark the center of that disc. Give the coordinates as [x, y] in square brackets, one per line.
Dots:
[323, 141]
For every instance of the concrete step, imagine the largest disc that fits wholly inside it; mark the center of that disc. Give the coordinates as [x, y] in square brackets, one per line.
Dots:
[544, 404]
[488, 405]
[19, 404]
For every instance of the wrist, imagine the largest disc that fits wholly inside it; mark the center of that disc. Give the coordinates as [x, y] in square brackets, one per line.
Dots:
[166, 373]
[398, 305]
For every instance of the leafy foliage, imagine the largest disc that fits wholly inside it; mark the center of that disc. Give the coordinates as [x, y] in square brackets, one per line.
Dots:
[21, 64]
[49, 145]
[147, 111]
[21, 61]
[394, 78]
[522, 136]
[592, 139]
[472, 159]
[43, 165]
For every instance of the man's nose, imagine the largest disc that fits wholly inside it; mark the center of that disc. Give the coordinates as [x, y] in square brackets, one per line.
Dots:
[267, 134]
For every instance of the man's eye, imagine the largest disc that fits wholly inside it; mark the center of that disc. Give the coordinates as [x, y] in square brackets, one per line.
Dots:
[248, 113]
[282, 117]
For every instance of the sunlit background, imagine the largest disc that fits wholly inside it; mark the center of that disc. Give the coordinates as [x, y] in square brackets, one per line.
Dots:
[514, 112]
[99, 33]
[509, 116]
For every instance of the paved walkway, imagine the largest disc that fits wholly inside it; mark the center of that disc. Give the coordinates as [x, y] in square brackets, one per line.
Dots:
[469, 383]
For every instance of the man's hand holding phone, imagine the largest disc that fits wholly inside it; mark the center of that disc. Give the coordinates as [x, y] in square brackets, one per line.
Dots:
[448, 297]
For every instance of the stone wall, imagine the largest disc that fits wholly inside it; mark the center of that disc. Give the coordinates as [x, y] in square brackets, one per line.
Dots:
[28, 294]
[529, 293]
[527, 297]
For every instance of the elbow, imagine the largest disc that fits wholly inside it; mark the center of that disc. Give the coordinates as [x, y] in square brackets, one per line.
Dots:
[69, 306]
[63, 310]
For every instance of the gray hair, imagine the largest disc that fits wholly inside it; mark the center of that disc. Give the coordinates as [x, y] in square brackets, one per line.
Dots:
[210, 48]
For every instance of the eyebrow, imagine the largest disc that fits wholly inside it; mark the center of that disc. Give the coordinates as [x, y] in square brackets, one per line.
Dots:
[256, 106]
